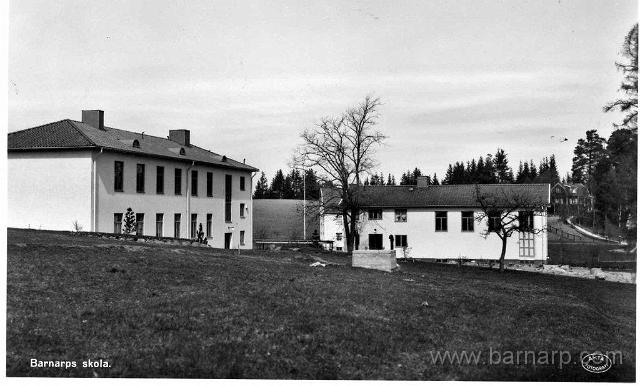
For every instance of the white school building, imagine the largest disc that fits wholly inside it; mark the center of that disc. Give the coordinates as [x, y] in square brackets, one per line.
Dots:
[84, 172]
[435, 222]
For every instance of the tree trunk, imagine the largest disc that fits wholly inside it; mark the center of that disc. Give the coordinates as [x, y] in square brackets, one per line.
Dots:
[348, 232]
[503, 252]
[354, 230]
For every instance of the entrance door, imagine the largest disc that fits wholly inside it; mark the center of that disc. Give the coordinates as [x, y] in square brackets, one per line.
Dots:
[227, 241]
[375, 241]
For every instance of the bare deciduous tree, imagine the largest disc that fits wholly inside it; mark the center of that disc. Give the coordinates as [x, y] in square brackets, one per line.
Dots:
[341, 149]
[507, 212]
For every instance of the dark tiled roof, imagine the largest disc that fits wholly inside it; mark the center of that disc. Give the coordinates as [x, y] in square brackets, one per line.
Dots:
[437, 195]
[69, 134]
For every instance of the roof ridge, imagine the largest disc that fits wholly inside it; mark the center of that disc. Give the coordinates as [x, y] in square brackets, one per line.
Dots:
[73, 123]
[38, 127]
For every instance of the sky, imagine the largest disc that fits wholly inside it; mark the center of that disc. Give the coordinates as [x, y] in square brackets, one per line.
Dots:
[457, 79]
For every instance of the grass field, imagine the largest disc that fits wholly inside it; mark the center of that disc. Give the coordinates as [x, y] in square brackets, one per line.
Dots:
[166, 311]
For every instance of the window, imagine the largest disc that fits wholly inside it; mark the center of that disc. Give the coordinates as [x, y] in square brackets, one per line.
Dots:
[139, 224]
[467, 221]
[182, 152]
[160, 179]
[242, 184]
[140, 178]
[242, 210]
[159, 222]
[494, 220]
[176, 225]
[178, 182]
[228, 180]
[375, 214]
[441, 221]
[526, 244]
[525, 220]
[401, 215]
[194, 182]
[209, 184]
[117, 223]
[118, 174]
[241, 237]
[339, 236]
[209, 221]
[401, 241]
[194, 225]
[136, 143]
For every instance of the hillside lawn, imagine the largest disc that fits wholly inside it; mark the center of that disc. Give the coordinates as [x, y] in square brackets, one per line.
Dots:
[176, 311]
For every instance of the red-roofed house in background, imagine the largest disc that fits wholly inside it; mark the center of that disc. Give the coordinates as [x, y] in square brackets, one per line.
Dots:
[434, 222]
[85, 172]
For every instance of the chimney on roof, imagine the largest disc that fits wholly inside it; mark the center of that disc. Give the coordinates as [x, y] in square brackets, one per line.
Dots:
[423, 181]
[180, 136]
[94, 118]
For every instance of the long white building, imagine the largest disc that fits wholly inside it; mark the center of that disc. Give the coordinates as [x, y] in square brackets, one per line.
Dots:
[436, 222]
[85, 172]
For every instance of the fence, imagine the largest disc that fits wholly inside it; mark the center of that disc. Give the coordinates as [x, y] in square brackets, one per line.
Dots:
[591, 255]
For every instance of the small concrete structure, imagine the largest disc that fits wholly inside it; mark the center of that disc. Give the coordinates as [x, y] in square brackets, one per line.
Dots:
[374, 259]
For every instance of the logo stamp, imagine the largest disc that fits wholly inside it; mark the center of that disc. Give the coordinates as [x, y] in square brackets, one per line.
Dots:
[596, 362]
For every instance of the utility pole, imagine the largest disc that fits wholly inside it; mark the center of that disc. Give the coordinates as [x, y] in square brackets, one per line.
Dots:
[304, 204]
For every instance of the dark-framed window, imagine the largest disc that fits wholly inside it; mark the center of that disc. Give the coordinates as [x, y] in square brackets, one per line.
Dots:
[139, 224]
[401, 215]
[178, 181]
[117, 223]
[495, 220]
[209, 222]
[441, 221]
[241, 237]
[159, 224]
[467, 221]
[242, 186]
[526, 244]
[194, 182]
[401, 241]
[118, 176]
[375, 214]
[525, 220]
[339, 236]
[228, 185]
[242, 210]
[194, 225]
[209, 184]
[176, 224]
[160, 179]
[140, 178]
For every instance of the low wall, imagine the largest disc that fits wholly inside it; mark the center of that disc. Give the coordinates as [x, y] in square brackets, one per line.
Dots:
[380, 260]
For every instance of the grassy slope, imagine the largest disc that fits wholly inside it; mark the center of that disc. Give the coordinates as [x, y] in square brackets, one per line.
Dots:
[162, 311]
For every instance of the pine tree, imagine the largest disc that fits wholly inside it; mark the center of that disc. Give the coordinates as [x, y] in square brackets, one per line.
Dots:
[434, 180]
[587, 154]
[278, 183]
[262, 187]
[129, 225]
[504, 174]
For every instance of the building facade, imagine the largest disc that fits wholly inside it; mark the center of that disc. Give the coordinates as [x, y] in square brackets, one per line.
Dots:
[437, 222]
[83, 172]
[570, 199]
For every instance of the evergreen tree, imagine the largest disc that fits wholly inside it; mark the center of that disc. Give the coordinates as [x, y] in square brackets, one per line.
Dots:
[278, 187]
[587, 153]
[312, 185]
[129, 223]
[629, 87]
[262, 187]
[389, 180]
[434, 180]
[504, 174]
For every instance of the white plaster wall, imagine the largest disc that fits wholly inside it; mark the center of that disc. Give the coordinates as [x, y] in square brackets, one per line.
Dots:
[49, 190]
[150, 203]
[330, 224]
[424, 242]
